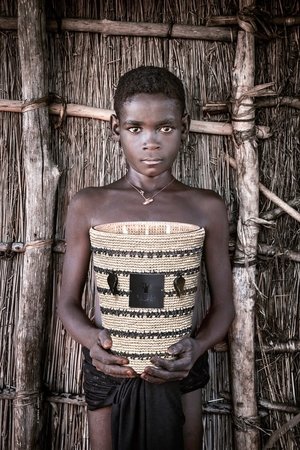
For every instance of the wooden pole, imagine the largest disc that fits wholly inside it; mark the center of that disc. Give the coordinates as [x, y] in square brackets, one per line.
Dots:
[75, 110]
[41, 180]
[120, 28]
[218, 21]
[245, 413]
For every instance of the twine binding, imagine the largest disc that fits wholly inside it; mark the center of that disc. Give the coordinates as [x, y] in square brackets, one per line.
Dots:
[123, 248]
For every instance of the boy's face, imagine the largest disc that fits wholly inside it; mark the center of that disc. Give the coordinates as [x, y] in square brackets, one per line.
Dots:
[150, 130]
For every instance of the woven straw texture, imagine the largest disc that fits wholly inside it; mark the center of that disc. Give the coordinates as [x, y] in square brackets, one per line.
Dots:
[170, 249]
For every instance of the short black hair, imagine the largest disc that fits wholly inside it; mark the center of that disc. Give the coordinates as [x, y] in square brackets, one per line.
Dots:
[149, 80]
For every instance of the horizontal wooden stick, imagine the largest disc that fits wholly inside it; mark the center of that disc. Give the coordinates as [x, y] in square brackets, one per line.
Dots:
[277, 347]
[14, 247]
[213, 407]
[197, 126]
[218, 108]
[75, 110]
[70, 399]
[60, 245]
[293, 102]
[278, 406]
[270, 250]
[233, 20]
[217, 407]
[120, 28]
[7, 394]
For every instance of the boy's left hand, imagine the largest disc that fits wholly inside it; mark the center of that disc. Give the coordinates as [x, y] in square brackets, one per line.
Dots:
[185, 353]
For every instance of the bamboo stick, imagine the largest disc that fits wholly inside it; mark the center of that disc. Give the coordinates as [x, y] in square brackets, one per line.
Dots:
[242, 331]
[74, 110]
[119, 28]
[41, 179]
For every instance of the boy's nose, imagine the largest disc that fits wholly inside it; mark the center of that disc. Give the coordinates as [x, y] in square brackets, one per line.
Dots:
[151, 141]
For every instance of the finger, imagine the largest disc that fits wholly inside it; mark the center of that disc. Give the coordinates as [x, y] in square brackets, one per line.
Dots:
[114, 370]
[154, 372]
[150, 379]
[173, 365]
[104, 339]
[106, 357]
[182, 346]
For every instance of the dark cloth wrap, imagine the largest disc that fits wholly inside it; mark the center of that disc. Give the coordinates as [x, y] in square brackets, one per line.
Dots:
[145, 416]
[155, 419]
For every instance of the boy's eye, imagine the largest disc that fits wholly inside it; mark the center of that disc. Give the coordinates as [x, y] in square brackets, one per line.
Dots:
[134, 129]
[166, 129]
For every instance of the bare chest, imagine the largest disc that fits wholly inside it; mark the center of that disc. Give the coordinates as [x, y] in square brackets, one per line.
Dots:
[130, 206]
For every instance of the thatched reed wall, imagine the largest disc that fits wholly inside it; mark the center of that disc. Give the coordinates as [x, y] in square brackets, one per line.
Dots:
[84, 69]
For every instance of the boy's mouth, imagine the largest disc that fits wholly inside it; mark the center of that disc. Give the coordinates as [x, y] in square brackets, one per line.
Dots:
[151, 161]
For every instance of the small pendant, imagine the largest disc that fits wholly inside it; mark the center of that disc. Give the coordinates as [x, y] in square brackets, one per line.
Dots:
[147, 201]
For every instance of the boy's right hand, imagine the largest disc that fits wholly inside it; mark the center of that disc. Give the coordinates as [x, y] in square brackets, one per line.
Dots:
[107, 362]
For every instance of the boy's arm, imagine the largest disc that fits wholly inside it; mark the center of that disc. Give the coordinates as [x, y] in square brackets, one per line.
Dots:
[69, 308]
[215, 325]
[221, 312]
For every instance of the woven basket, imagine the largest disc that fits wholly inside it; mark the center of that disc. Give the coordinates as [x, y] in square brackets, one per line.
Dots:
[146, 275]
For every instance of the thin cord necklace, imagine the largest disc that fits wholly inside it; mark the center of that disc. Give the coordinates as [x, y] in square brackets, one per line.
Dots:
[148, 200]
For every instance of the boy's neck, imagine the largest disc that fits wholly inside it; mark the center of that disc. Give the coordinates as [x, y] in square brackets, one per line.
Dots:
[149, 184]
[150, 198]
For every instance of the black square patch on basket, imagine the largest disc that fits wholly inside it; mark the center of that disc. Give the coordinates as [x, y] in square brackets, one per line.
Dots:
[146, 290]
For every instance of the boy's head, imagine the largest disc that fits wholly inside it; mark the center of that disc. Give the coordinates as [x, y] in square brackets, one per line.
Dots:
[149, 80]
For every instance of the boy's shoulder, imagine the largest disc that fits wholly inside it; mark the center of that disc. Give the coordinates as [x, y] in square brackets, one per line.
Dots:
[205, 195]
[86, 198]
[207, 204]
[86, 193]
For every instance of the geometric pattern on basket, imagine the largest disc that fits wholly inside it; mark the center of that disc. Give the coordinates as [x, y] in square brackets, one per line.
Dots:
[172, 249]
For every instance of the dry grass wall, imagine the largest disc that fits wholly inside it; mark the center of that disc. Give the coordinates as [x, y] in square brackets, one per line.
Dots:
[84, 69]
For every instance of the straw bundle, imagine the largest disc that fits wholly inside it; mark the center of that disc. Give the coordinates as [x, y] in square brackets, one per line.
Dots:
[11, 229]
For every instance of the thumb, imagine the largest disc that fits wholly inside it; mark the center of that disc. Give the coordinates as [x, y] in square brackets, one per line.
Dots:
[175, 349]
[104, 339]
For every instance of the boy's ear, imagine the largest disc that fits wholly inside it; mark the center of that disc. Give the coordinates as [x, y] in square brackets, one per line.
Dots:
[115, 127]
[185, 126]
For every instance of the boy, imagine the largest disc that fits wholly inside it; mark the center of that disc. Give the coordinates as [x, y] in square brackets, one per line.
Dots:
[150, 124]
